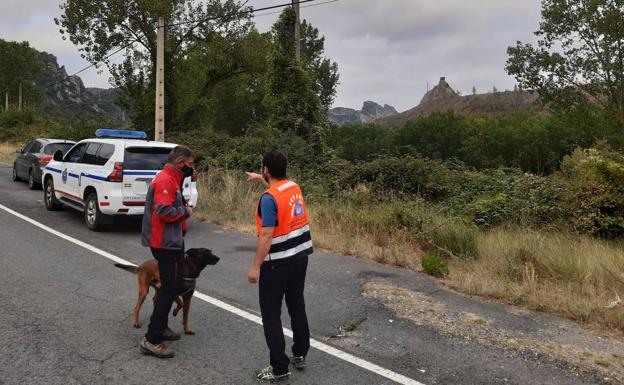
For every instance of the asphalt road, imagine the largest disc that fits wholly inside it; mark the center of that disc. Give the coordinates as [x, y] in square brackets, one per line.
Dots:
[66, 314]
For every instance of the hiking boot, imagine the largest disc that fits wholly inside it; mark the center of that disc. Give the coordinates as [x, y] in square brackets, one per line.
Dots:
[170, 335]
[266, 375]
[159, 350]
[298, 362]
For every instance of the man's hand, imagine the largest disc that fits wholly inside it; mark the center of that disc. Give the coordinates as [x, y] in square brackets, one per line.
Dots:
[189, 211]
[251, 176]
[254, 275]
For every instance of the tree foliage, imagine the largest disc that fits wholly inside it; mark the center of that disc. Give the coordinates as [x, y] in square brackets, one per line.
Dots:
[20, 64]
[293, 103]
[220, 72]
[579, 57]
[99, 28]
[531, 143]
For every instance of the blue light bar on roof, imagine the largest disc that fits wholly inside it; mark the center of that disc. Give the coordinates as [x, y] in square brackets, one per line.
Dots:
[124, 134]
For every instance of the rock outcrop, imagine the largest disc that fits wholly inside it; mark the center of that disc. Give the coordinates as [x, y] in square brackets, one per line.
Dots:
[370, 111]
[442, 98]
[66, 96]
[440, 92]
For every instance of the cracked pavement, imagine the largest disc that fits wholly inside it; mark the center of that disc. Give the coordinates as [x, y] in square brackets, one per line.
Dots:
[66, 315]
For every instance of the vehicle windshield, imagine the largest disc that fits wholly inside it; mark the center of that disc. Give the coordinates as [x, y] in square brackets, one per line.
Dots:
[145, 158]
[51, 148]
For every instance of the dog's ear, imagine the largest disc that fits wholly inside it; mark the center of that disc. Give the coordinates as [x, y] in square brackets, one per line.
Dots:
[193, 253]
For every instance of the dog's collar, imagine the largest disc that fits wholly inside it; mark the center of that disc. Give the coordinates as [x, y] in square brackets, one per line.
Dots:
[189, 279]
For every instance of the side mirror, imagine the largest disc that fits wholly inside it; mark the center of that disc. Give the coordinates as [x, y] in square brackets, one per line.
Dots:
[58, 156]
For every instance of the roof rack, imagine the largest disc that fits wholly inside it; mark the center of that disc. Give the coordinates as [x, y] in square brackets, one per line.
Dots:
[122, 134]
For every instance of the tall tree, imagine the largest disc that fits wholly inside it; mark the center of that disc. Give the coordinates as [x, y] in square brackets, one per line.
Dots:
[101, 27]
[292, 100]
[20, 64]
[224, 83]
[322, 71]
[579, 57]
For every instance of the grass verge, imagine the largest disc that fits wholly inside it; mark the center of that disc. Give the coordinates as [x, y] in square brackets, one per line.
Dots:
[575, 277]
[7, 152]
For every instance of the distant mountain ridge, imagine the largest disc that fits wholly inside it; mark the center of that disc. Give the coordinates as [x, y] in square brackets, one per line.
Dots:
[66, 97]
[443, 98]
[370, 111]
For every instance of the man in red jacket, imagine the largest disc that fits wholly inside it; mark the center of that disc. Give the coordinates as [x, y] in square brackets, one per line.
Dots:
[164, 226]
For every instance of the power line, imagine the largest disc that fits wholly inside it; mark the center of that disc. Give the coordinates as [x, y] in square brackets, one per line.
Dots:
[238, 12]
[305, 6]
[253, 10]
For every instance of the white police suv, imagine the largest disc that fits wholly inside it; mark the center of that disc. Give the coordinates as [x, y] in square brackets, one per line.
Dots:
[108, 176]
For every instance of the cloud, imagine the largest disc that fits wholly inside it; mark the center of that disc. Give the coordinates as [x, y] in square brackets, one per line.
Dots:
[386, 50]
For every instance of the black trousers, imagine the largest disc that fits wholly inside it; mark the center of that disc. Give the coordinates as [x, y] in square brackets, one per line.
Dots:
[169, 266]
[279, 279]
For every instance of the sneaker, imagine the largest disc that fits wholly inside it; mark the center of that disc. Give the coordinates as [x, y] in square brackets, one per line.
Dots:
[298, 362]
[266, 375]
[159, 350]
[170, 335]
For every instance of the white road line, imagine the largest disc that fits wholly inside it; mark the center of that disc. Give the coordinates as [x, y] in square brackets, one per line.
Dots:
[387, 373]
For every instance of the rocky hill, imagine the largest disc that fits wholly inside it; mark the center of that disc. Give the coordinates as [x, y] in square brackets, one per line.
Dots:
[443, 98]
[370, 111]
[66, 97]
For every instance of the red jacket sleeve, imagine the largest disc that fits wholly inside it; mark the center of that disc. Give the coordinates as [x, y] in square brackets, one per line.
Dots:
[164, 200]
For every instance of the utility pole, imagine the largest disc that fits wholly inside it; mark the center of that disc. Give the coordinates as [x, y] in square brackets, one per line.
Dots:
[295, 5]
[19, 104]
[6, 101]
[160, 82]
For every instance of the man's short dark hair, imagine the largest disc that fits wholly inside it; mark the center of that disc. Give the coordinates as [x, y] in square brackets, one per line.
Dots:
[276, 162]
[180, 152]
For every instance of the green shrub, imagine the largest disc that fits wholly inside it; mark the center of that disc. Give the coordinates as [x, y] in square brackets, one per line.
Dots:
[434, 264]
[455, 238]
[391, 177]
[595, 180]
[12, 118]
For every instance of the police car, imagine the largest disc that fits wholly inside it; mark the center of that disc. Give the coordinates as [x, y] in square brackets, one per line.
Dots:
[108, 176]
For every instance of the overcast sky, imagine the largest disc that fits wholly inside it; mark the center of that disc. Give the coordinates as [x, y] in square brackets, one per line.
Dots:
[387, 50]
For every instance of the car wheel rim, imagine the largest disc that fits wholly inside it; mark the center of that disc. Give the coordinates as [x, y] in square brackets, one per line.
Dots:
[49, 194]
[91, 212]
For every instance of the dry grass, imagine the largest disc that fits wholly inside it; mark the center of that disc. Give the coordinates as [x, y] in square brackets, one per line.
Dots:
[576, 277]
[7, 152]
[229, 200]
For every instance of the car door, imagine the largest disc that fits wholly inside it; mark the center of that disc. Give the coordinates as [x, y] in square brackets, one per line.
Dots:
[70, 173]
[30, 158]
[87, 168]
[20, 160]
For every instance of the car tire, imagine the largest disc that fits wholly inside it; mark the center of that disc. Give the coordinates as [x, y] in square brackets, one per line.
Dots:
[32, 184]
[15, 177]
[49, 199]
[94, 219]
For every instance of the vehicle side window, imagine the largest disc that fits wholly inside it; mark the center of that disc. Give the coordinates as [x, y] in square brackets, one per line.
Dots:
[28, 146]
[90, 155]
[105, 153]
[76, 153]
[35, 148]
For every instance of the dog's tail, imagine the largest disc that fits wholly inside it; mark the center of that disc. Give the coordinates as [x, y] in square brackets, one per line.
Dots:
[130, 268]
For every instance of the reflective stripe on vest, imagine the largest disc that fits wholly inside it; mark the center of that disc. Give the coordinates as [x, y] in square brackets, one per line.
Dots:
[291, 236]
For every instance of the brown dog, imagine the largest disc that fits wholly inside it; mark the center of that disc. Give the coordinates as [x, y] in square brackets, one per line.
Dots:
[148, 275]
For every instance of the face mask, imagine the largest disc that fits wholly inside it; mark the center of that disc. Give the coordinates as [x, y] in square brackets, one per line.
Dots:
[187, 171]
